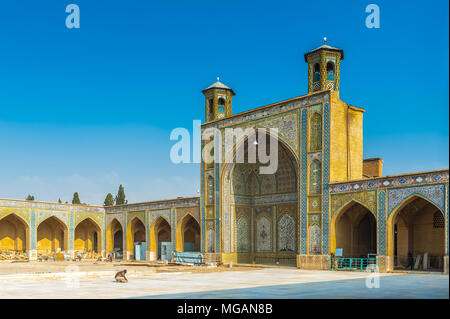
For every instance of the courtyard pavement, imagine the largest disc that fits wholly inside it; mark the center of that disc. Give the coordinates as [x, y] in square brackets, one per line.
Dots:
[262, 283]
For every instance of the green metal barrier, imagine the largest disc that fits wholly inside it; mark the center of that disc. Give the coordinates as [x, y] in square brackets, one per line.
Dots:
[353, 264]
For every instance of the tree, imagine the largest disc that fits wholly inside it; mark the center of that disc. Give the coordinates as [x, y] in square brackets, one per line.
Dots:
[29, 197]
[120, 198]
[59, 200]
[76, 198]
[109, 200]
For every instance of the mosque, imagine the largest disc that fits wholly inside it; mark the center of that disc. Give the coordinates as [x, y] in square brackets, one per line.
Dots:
[325, 200]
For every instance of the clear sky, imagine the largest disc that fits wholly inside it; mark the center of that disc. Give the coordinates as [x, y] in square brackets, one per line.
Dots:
[87, 109]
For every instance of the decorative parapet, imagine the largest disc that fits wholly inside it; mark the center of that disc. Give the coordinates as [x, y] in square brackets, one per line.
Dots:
[423, 178]
[51, 206]
[156, 205]
[269, 110]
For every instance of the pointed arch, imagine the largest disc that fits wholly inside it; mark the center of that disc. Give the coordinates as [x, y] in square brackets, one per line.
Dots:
[136, 232]
[17, 215]
[330, 71]
[353, 223]
[160, 231]
[243, 233]
[113, 231]
[316, 72]
[315, 239]
[415, 215]
[14, 233]
[190, 224]
[87, 236]
[52, 216]
[285, 187]
[52, 234]
[315, 132]
[287, 238]
[87, 217]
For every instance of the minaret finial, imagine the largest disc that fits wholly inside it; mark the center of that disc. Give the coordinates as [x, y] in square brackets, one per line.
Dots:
[324, 40]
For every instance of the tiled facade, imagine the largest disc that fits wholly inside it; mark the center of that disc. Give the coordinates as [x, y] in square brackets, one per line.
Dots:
[244, 216]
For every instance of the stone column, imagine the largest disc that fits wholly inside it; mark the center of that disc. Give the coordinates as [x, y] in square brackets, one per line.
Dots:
[104, 237]
[446, 265]
[71, 234]
[32, 252]
[274, 228]
[147, 236]
[126, 253]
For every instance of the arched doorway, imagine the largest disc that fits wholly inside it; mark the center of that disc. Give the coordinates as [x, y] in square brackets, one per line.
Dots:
[356, 231]
[418, 229]
[163, 239]
[115, 231]
[190, 234]
[136, 240]
[257, 201]
[14, 232]
[52, 235]
[87, 233]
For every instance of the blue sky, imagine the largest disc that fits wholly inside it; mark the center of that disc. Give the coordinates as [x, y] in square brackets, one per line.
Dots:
[87, 109]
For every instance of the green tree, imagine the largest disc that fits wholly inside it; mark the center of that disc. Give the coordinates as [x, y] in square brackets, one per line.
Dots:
[59, 200]
[120, 198]
[30, 197]
[76, 198]
[109, 200]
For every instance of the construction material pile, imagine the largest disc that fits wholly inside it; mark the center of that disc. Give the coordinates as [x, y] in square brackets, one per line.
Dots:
[46, 255]
[8, 254]
[87, 255]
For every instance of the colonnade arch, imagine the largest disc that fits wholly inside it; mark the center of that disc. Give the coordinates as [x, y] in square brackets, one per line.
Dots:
[354, 229]
[52, 235]
[14, 233]
[188, 234]
[136, 233]
[416, 227]
[88, 236]
[160, 235]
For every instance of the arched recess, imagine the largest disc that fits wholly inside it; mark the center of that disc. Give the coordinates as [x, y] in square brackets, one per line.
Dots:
[287, 239]
[135, 233]
[87, 236]
[188, 234]
[52, 235]
[114, 237]
[354, 228]
[160, 232]
[315, 133]
[315, 177]
[330, 71]
[241, 185]
[417, 225]
[14, 233]
[316, 72]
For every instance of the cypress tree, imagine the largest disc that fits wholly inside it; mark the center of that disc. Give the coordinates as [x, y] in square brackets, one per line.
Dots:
[76, 198]
[120, 198]
[29, 197]
[109, 200]
[59, 200]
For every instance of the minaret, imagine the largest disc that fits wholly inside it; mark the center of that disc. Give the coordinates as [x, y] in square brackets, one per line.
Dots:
[323, 67]
[218, 101]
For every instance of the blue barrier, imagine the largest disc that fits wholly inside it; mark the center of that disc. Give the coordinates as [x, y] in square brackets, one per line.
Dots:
[193, 257]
